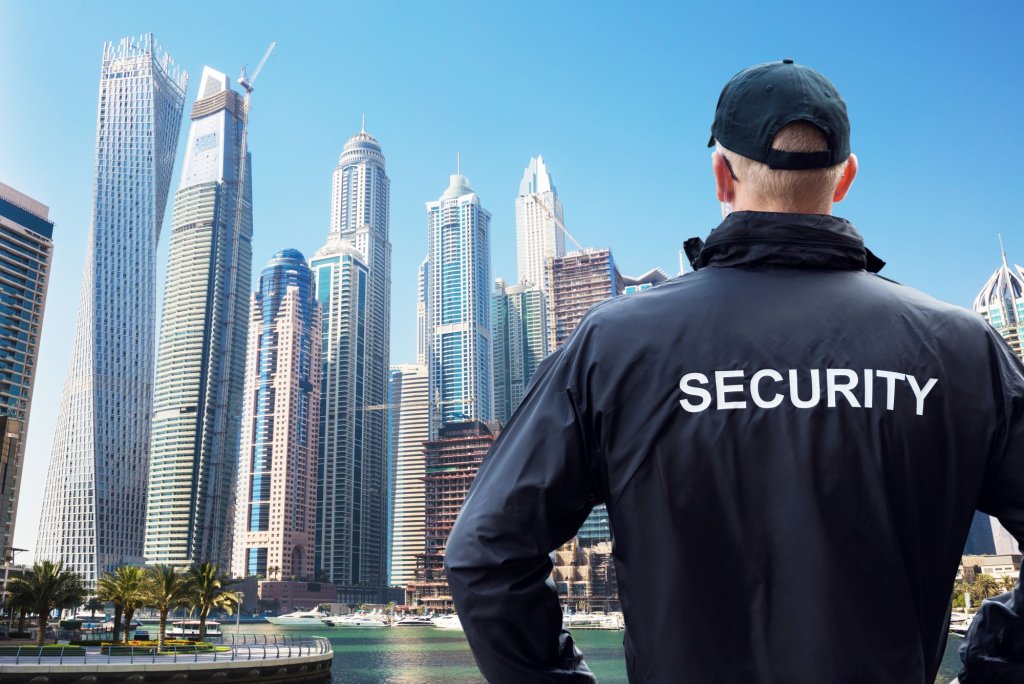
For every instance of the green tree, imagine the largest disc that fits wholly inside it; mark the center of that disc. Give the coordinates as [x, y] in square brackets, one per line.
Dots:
[985, 586]
[127, 588]
[47, 586]
[1009, 583]
[208, 589]
[166, 589]
[94, 604]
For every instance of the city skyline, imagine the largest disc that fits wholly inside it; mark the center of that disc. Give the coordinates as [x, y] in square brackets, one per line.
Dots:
[921, 239]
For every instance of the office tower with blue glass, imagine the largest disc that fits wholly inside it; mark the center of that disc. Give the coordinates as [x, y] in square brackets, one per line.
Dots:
[94, 506]
[26, 253]
[520, 334]
[200, 369]
[275, 520]
[459, 298]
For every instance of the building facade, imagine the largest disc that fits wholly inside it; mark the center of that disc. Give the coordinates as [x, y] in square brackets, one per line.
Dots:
[459, 299]
[275, 520]
[451, 462]
[351, 486]
[26, 254]
[1001, 303]
[539, 222]
[200, 370]
[578, 281]
[422, 306]
[410, 429]
[352, 548]
[520, 335]
[94, 506]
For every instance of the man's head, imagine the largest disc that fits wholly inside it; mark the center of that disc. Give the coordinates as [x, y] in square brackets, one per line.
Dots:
[782, 141]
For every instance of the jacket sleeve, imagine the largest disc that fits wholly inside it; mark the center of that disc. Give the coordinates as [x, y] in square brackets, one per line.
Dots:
[533, 491]
[993, 650]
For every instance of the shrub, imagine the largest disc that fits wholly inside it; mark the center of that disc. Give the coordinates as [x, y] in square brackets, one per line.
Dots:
[70, 624]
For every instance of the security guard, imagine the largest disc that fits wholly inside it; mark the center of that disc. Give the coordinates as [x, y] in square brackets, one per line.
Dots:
[790, 446]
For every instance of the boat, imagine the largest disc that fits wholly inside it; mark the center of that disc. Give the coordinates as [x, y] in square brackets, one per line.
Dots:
[415, 621]
[361, 620]
[187, 629]
[591, 621]
[313, 618]
[959, 623]
[448, 622]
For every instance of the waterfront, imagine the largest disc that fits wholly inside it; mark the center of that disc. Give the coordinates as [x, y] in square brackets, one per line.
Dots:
[424, 655]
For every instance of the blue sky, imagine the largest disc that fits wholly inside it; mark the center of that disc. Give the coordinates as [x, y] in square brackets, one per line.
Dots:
[617, 97]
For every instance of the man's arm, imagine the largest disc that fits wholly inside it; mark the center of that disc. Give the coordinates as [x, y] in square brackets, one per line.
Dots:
[533, 491]
[993, 650]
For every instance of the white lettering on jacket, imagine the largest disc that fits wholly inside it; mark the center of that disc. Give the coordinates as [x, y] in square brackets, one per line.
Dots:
[767, 389]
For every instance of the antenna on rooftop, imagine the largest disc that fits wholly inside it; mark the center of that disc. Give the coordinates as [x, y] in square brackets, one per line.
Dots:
[1002, 250]
[362, 128]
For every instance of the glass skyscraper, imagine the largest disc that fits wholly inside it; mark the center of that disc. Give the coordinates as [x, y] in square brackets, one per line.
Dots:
[539, 234]
[200, 369]
[94, 507]
[26, 251]
[459, 300]
[520, 334]
[353, 272]
[275, 515]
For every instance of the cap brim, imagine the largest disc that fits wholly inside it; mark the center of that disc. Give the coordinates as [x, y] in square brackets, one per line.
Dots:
[711, 142]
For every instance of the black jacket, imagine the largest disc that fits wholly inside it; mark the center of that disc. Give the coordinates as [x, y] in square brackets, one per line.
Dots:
[791, 449]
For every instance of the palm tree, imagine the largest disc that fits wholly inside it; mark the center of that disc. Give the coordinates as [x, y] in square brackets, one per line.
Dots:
[209, 589]
[47, 586]
[1009, 583]
[92, 605]
[985, 586]
[166, 590]
[125, 587]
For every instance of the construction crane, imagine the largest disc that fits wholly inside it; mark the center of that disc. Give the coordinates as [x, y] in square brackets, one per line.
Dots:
[558, 222]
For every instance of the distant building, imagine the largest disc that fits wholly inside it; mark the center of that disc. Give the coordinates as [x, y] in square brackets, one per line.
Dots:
[422, 306]
[539, 222]
[353, 546]
[459, 297]
[94, 507]
[998, 566]
[643, 282]
[410, 429]
[275, 521]
[451, 464]
[585, 578]
[287, 596]
[26, 253]
[519, 332]
[1001, 303]
[578, 281]
[200, 370]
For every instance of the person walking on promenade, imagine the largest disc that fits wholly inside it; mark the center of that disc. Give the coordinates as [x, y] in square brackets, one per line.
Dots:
[809, 435]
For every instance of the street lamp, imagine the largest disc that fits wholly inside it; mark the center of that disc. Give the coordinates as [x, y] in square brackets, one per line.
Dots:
[9, 553]
[238, 613]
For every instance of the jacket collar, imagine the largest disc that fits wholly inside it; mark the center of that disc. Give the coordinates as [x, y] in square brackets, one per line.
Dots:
[760, 238]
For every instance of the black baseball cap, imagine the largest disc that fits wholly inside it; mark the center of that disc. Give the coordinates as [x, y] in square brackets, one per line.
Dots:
[761, 99]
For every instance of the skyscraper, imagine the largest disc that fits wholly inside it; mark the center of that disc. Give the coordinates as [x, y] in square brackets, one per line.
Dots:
[520, 334]
[94, 507]
[410, 425]
[276, 488]
[578, 281]
[351, 486]
[459, 318]
[422, 306]
[200, 369]
[539, 235]
[451, 462]
[353, 545]
[26, 250]
[1001, 303]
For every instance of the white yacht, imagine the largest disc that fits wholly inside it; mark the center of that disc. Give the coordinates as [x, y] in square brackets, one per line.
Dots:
[361, 620]
[448, 622]
[186, 629]
[415, 621]
[959, 623]
[313, 618]
[591, 621]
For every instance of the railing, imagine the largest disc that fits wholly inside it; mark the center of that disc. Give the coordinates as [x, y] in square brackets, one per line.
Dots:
[240, 647]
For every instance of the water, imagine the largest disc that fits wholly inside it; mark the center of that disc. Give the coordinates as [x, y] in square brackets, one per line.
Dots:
[424, 655]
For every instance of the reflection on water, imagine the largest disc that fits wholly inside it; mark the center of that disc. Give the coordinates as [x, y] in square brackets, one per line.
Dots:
[423, 655]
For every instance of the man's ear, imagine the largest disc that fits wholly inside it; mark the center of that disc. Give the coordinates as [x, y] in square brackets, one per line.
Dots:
[847, 180]
[724, 184]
